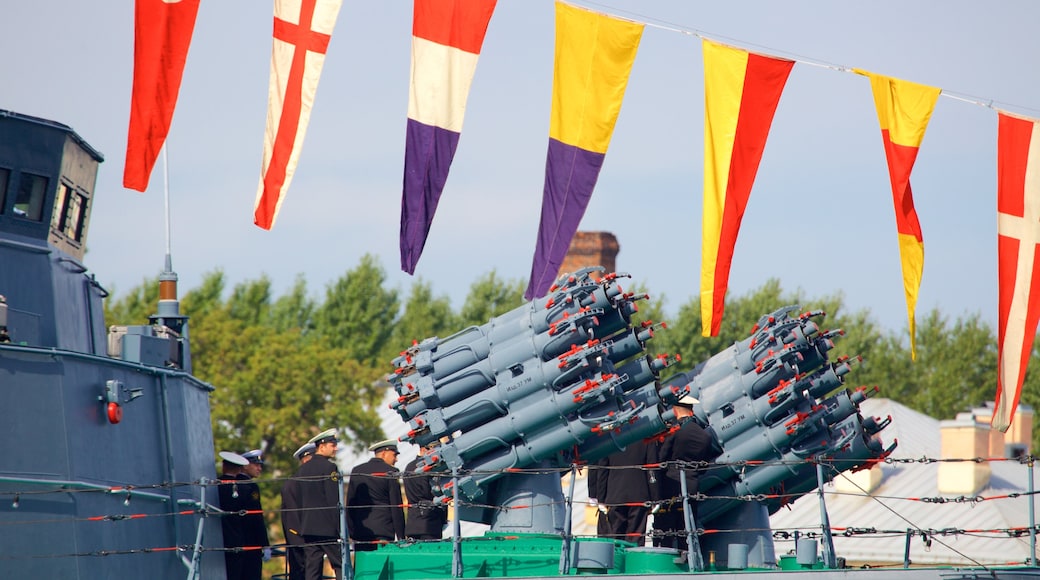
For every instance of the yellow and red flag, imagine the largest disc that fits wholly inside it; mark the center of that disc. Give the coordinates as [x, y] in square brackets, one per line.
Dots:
[741, 93]
[162, 36]
[1018, 266]
[904, 109]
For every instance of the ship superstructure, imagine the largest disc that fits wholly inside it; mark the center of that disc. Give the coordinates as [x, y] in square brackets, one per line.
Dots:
[107, 436]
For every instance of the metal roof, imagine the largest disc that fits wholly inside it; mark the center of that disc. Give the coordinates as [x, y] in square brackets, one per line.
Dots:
[888, 507]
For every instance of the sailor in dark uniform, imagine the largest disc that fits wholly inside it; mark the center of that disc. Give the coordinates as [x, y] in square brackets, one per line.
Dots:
[623, 491]
[238, 493]
[690, 444]
[294, 556]
[425, 520]
[319, 482]
[374, 499]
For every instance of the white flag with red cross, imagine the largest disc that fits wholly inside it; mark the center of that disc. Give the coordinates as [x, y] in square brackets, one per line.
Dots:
[1018, 266]
[302, 29]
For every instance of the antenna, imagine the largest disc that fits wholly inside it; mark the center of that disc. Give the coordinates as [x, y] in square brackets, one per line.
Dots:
[169, 309]
[169, 306]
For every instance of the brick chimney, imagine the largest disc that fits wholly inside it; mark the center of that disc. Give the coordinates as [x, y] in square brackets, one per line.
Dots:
[964, 438]
[1018, 441]
[591, 249]
[858, 482]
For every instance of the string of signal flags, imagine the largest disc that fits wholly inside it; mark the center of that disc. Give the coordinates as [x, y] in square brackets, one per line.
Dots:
[594, 55]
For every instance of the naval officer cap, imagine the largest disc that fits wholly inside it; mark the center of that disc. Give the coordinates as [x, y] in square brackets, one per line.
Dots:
[383, 445]
[233, 458]
[327, 436]
[687, 401]
[305, 450]
[254, 456]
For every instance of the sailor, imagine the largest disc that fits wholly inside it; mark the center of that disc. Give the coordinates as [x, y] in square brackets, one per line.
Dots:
[426, 520]
[319, 481]
[256, 463]
[294, 556]
[687, 446]
[243, 524]
[374, 496]
[623, 492]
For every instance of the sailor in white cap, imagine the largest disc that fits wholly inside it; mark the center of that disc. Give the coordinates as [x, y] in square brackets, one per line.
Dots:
[319, 481]
[232, 462]
[256, 462]
[291, 515]
[376, 509]
[305, 452]
[238, 493]
[692, 443]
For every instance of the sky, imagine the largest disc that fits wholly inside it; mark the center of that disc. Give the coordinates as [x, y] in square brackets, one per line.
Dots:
[820, 216]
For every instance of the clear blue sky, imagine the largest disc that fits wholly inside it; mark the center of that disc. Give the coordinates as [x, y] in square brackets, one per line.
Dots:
[820, 216]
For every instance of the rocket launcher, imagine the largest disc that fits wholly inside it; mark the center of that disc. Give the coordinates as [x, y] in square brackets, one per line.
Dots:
[438, 372]
[562, 379]
[776, 406]
[566, 379]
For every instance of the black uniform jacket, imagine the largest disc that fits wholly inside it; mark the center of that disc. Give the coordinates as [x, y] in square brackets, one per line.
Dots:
[374, 500]
[690, 443]
[319, 483]
[237, 494]
[425, 520]
[291, 514]
[616, 485]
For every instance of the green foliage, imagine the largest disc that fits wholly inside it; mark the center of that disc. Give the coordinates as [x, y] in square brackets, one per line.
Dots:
[134, 308]
[250, 301]
[683, 337]
[490, 296]
[294, 310]
[424, 316]
[358, 313]
[207, 297]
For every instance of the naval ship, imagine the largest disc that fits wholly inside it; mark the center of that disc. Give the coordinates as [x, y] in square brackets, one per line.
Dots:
[108, 466]
[107, 432]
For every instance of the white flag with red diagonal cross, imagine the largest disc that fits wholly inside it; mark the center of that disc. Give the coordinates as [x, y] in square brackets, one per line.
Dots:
[302, 29]
[1018, 266]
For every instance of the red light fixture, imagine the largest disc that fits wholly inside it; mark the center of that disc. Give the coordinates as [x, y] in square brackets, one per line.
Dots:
[115, 413]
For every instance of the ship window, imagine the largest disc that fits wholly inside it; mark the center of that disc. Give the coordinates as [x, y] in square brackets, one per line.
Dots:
[69, 208]
[28, 201]
[5, 174]
[77, 208]
[61, 206]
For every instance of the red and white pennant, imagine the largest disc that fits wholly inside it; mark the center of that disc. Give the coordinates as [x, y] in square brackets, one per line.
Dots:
[302, 30]
[1018, 267]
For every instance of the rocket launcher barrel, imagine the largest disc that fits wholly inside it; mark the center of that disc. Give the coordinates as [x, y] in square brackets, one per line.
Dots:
[436, 388]
[448, 363]
[531, 318]
[548, 442]
[517, 383]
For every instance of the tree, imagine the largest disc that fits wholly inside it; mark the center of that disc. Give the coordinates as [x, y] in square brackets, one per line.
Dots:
[294, 310]
[954, 371]
[490, 296]
[358, 314]
[250, 301]
[424, 316]
[207, 297]
[134, 308]
[683, 337]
